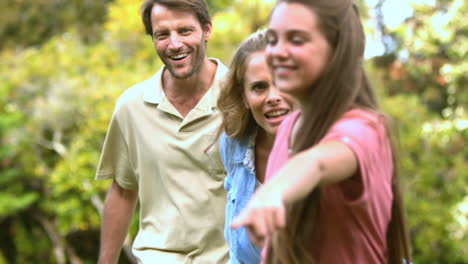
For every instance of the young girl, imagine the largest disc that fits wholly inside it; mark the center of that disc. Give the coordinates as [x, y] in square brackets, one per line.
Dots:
[252, 109]
[332, 193]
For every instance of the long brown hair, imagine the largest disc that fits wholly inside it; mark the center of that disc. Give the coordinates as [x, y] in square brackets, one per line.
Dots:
[238, 121]
[343, 85]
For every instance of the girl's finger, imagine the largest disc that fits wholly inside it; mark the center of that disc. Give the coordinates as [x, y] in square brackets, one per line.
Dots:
[270, 220]
[280, 217]
[257, 240]
[241, 220]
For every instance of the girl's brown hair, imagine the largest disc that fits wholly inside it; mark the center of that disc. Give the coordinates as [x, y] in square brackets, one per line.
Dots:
[343, 85]
[237, 120]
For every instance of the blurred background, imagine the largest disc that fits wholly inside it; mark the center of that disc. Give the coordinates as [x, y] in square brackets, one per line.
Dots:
[63, 63]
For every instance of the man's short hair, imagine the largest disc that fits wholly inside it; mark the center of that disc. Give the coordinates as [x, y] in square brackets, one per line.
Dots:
[198, 7]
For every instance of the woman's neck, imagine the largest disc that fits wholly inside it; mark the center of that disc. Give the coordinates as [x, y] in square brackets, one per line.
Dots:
[264, 140]
[263, 145]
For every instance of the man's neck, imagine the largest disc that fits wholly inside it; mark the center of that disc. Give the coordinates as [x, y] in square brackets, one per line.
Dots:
[184, 94]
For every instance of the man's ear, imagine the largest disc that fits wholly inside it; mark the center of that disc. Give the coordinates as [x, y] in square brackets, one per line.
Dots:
[207, 31]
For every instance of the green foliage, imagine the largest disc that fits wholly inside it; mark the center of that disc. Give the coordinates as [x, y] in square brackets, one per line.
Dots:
[14, 196]
[27, 22]
[434, 169]
[216, 6]
[236, 23]
[436, 41]
[426, 77]
[26, 234]
[11, 203]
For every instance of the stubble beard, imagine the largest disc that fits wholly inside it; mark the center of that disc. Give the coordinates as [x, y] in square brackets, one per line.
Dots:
[198, 56]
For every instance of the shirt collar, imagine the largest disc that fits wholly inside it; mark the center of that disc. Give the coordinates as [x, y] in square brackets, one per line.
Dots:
[249, 156]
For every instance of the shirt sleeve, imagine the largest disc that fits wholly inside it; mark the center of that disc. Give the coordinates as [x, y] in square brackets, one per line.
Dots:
[223, 148]
[114, 162]
[366, 137]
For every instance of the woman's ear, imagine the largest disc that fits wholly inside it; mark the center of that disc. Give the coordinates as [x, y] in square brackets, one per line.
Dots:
[244, 101]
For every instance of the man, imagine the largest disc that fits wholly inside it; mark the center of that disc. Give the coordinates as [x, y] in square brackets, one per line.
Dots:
[155, 147]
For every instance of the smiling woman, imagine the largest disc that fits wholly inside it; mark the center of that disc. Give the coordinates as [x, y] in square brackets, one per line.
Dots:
[267, 105]
[252, 109]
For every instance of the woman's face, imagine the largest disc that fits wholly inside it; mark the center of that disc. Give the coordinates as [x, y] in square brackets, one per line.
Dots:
[297, 51]
[268, 105]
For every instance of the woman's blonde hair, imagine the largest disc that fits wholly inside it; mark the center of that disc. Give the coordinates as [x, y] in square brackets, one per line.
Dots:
[237, 120]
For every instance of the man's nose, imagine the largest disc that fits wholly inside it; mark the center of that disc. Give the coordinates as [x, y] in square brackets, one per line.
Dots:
[175, 41]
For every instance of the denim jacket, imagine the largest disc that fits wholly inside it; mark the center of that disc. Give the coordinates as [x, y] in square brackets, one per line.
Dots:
[239, 161]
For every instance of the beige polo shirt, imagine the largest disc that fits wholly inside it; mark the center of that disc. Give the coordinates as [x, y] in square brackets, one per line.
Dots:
[150, 147]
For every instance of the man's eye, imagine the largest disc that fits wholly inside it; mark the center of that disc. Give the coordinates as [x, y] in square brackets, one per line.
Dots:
[160, 36]
[185, 31]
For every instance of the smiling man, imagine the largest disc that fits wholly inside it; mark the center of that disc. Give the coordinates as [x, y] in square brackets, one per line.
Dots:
[155, 147]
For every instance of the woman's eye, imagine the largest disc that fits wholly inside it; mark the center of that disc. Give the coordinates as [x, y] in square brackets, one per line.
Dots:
[297, 40]
[271, 39]
[257, 87]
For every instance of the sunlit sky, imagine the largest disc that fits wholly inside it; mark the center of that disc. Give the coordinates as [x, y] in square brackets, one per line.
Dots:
[394, 13]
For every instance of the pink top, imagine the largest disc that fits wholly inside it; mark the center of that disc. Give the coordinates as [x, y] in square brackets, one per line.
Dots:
[354, 213]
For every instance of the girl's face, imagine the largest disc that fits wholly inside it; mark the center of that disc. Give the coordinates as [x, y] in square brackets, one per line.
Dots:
[268, 105]
[297, 51]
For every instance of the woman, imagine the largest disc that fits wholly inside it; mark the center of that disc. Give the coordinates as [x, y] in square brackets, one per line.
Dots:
[252, 109]
[331, 194]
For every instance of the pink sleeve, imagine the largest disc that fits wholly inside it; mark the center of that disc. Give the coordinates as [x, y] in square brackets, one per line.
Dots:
[366, 136]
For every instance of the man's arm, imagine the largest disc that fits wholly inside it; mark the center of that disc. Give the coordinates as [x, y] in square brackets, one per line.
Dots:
[119, 208]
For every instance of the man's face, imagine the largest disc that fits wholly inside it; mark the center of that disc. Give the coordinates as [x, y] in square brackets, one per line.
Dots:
[179, 40]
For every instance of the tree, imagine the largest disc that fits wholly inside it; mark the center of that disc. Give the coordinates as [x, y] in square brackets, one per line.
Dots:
[425, 72]
[27, 23]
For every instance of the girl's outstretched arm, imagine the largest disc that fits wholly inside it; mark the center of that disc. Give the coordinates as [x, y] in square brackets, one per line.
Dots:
[326, 163]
